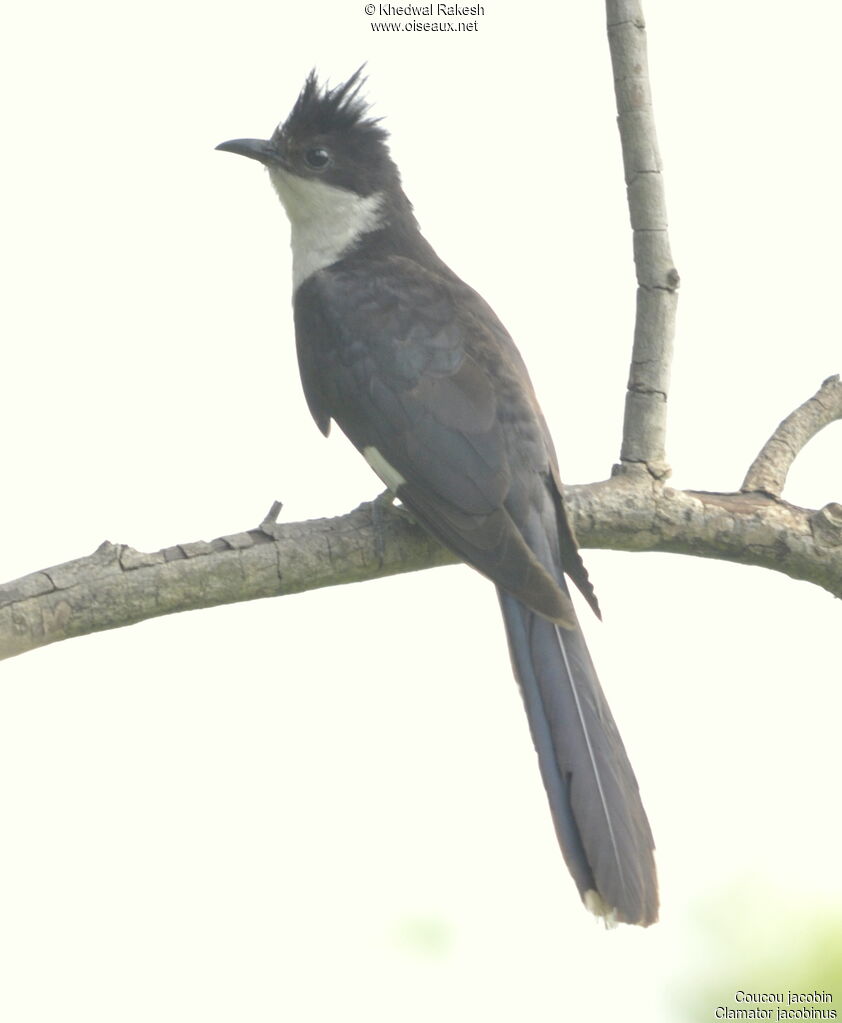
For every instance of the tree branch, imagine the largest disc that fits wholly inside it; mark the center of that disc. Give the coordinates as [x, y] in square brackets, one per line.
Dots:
[644, 425]
[749, 529]
[769, 470]
[117, 585]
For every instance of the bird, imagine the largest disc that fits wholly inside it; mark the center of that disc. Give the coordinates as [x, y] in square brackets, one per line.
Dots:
[416, 369]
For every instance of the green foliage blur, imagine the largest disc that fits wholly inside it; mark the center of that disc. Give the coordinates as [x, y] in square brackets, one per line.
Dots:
[752, 939]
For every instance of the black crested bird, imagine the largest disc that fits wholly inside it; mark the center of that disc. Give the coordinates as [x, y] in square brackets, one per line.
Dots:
[425, 381]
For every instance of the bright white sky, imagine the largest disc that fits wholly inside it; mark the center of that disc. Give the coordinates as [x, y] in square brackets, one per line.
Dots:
[327, 807]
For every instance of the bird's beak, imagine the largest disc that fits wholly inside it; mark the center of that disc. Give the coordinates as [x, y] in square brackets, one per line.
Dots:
[255, 149]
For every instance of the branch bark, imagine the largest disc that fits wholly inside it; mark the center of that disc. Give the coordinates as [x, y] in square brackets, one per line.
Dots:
[632, 511]
[117, 585]
[769, 470]
[645, 422]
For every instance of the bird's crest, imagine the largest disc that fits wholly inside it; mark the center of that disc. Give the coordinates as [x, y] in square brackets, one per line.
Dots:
[321, 110]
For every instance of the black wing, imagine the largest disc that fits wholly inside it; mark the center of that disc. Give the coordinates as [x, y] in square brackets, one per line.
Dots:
[418, 368]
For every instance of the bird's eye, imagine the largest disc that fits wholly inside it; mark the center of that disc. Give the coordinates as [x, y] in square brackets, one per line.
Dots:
[318, 158]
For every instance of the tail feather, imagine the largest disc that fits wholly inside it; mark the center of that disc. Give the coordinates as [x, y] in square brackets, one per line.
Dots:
[594, 799]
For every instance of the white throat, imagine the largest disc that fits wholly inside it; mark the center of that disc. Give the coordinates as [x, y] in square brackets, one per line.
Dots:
[326, 221]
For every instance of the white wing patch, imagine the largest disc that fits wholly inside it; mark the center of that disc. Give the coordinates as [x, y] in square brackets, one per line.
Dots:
[388, 473]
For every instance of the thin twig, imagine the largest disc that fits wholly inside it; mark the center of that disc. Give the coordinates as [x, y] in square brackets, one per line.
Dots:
[644, 426]
[769, 470]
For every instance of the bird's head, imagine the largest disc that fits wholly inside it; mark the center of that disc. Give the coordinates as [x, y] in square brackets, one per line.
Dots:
[327, 151]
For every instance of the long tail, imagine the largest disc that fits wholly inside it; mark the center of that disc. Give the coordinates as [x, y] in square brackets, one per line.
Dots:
[599, 818]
